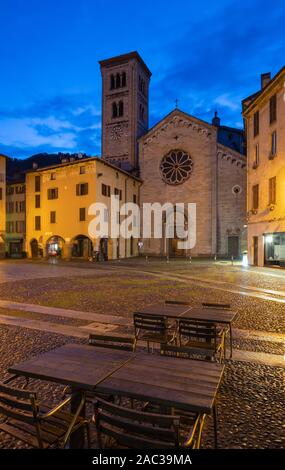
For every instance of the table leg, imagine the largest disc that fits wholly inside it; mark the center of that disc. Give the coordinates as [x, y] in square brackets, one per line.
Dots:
[215, 426]
[231, 341]
[77, 438]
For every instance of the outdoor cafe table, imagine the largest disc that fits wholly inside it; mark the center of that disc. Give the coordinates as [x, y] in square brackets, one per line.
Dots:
[186, 384]
[79, 366]
[175, 311]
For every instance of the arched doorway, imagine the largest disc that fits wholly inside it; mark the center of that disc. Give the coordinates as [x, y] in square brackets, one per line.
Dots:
[54, 246]
[82, 247]
[172, 233]
[34, 248]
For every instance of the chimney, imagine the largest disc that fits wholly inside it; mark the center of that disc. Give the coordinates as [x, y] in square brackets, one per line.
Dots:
[216, 121]
[35, 166]
[265, 79]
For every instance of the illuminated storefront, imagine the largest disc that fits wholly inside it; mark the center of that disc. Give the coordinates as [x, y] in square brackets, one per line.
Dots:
[274, 249]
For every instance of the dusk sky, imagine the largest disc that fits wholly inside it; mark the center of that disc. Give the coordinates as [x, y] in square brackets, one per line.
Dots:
[209, 55]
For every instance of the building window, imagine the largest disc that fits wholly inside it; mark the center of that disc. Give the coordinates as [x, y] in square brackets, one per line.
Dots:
[118, 80]
[114, 110]
[52, 193]
[10, 190]
[273, 109]
[20, 189]
[255, 196]
[10, 227]
[141, 112]
[52, 176]
[20, 227]
[1, 194]
[124, 79]
[272, 190]
[37, 222]
[142, 85]
[256, 156]
[10, 207]
[134, 198]
[112, 82]
[22, 205]
[37, 183]
[82, 189]
[118, 192]
[82, 214]
[106, 190]
[256, 124]
[273, 144]
[37, 201]
[52, 218]
[82, 170]
[121, 109]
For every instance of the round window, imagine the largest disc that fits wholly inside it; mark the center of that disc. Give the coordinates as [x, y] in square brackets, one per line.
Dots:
[176, 167]
[236, 189]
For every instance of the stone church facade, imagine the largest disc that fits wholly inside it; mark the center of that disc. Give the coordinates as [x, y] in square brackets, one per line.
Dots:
[215, 181]
[182, 159]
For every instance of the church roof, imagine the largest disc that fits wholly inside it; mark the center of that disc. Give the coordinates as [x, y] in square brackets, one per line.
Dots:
[177, 112]
[124, 58]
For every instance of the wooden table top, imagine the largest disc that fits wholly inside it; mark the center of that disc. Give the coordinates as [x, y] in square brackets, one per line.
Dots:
[188, 384]
[165, 310]
[78, 365]
[217, 315]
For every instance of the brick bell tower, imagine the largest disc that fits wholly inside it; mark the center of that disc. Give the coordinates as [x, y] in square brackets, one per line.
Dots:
[125, 97]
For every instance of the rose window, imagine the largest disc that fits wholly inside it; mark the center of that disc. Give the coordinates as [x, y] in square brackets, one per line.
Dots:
[176, 167]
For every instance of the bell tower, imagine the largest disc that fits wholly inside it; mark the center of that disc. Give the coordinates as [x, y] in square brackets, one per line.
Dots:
[125, 97]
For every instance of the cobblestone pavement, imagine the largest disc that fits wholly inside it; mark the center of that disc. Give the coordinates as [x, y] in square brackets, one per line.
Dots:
[251, 398]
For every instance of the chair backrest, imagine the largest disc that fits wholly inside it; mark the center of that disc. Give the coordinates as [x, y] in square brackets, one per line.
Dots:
[124, 343]
[18, 404]
[136, 429]
[152, 323]
[171, 350]
[197, 330]
[216, 305]
[177, 302]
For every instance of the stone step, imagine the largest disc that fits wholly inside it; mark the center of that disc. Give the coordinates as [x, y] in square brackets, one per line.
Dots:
[66, 313]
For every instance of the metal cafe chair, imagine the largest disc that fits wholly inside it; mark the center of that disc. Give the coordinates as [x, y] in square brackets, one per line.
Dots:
[34, 423]
[152, 329]
[137, 429]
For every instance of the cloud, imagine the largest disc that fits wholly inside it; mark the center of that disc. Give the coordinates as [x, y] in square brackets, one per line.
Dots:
[64, 123]
[216, 62]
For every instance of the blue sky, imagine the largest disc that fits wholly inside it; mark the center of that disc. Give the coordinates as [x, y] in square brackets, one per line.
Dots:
[207, 54]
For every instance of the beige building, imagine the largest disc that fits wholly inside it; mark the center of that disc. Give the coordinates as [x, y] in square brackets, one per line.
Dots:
[58, 199]
[264, 114]
[15, 219]
[2, 204]
[181, 161]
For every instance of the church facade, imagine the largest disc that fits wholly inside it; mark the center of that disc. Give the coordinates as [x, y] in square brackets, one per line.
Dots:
[181, 161]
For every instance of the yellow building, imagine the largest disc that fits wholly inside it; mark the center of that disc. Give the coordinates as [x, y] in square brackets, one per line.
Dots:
[57, 202]
[2, 204]
[264, 114]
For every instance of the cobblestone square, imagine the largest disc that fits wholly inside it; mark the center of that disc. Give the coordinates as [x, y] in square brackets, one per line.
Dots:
[43, 306]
